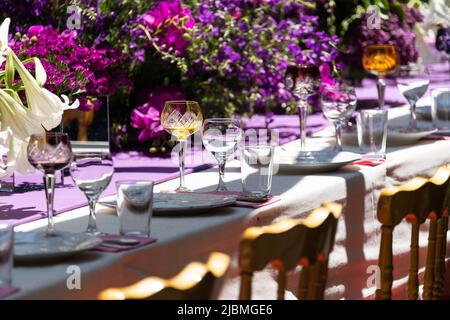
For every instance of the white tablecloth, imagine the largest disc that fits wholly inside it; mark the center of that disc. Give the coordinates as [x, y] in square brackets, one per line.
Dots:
[184, 239]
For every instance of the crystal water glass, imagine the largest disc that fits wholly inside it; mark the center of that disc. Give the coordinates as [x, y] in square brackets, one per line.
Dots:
[49, 152]
[440, 108]
[303, 81]
[181, 119]
[6, 254]
[413, 81]
[221, 137]
[134, 207]
[92, 172]
[372, 132]
[338, 103]
[257, 167]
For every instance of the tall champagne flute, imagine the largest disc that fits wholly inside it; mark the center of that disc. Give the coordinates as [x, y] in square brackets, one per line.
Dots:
[181, 119]
[221, 137]
[380, 60]
[92, 172]
[49, 152]
[338, 104]
[303, 81]
[413, 81]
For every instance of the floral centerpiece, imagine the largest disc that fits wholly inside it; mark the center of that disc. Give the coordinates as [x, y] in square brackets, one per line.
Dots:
[26, 106]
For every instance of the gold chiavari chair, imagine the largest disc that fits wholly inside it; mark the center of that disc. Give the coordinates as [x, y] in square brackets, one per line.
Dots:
[416, 201]
[197, 281]
[287, 244]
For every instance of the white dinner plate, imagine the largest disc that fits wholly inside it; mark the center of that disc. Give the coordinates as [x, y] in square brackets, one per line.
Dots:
[175, 203]
[395, 136]
[324, 161]
[34, 246]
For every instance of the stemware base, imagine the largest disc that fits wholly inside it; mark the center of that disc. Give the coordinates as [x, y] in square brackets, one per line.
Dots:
[183, 189]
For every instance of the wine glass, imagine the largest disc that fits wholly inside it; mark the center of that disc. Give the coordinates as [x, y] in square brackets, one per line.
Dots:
[303, 80]
[181, 119]
[380, 60]
[413, 81]
[221, 137]
[338, 103]
[49, 152]
[92, 172]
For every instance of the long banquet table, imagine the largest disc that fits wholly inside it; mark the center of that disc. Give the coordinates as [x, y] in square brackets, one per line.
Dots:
[187, 238]
[183, 239]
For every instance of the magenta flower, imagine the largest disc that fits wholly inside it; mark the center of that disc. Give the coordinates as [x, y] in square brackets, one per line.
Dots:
[167, 23]
[147, 116]
[35, 30]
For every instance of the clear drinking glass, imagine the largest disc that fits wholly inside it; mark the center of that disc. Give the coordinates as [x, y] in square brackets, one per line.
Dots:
[372, 132]
[181, 119]
[338, 103]
[221, 137]
[134, 207]
[413, 81]
[49, 152]
[6, 254]
[440, 108]
[257, 164]
[303, 81]
[92, 172]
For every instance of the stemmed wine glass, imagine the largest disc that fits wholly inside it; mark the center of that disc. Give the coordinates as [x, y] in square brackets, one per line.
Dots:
[380, 60]
[338, 103]
[49, 152]
[221, 137]
[181, 119]
[413, 81]
[303, 81]
[92, 172]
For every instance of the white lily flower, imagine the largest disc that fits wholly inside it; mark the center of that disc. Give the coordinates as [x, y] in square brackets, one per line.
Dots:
[4, 48]
[21, 121]
[42, 102]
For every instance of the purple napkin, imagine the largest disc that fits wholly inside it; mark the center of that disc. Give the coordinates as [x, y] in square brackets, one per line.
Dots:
[120, 247]
[7, 291]
[436, 137]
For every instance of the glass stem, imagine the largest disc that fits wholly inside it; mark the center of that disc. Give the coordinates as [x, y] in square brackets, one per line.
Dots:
[181, 158]
[413, 121]
[49, 182]
[338, 128]
[92, 224]
[302, 110]
[381, 86]
[221, 186]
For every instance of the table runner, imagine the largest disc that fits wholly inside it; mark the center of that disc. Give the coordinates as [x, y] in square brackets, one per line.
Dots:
[27, 205]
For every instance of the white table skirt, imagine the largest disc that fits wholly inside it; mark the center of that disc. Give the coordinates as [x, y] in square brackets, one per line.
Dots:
[184, 239]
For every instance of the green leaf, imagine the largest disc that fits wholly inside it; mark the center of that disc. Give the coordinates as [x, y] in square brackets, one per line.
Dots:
[10, 70]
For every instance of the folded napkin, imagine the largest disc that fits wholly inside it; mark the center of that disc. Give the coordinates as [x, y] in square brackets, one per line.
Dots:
[117, 247]
[244, 201]
[7, 291]
[371, 162]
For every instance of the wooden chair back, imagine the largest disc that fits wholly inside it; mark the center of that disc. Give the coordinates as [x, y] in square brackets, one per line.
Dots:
[197, 281]
[416, 201]
[287, 244]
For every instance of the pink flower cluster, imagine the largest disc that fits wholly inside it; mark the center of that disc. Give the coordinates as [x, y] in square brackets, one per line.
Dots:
[167, 24]
[73, 69]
